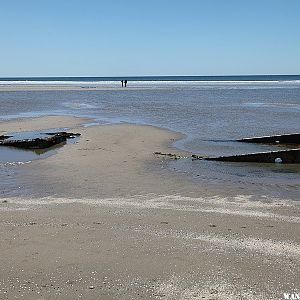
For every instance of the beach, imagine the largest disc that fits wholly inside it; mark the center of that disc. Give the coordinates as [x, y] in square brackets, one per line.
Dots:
[150, 150]
[104, 218]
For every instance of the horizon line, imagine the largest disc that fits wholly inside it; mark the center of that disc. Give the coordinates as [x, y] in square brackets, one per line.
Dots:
[142, 76]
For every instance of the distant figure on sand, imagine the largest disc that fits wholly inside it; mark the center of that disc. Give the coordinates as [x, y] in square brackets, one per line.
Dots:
[125, 81]
[122, 81]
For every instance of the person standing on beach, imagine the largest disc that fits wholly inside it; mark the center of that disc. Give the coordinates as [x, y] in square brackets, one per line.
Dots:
[125, 81]
[122, 81]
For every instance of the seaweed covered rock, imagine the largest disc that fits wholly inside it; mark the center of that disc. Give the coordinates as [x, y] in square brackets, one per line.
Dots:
[68, 135]
[38, 143]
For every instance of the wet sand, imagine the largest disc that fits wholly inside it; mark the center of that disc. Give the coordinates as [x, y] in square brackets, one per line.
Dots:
[40, 123]
[107, 221]
[66, 87]
[49, 87]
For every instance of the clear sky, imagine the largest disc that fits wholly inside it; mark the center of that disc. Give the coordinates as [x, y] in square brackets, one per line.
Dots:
[154, 37]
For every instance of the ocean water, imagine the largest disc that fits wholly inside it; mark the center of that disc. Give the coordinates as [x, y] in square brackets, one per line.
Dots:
[212, 112]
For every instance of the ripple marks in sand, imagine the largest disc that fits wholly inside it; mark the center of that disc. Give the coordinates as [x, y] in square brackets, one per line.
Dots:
[285, 249]
[236, 206]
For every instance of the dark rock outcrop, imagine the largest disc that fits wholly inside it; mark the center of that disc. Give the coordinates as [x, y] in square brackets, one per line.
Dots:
[170, 155]
[4, 137]
[284, 156]
[53, 138]
[68, 135]
[293, 138]
[38, 143]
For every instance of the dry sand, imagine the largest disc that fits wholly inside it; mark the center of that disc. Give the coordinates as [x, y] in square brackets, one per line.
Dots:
[105, 221]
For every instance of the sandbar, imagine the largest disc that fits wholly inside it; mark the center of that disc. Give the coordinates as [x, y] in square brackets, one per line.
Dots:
[106, 220]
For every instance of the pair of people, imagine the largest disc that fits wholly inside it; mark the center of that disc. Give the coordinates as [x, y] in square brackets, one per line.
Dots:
[124, 82]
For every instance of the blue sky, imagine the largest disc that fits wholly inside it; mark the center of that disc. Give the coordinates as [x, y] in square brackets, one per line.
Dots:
[157, 37]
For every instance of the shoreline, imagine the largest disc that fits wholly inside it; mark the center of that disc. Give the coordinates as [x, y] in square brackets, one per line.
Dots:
[97, 135]
[62, 87]
[108, 221]
[135, 83]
